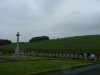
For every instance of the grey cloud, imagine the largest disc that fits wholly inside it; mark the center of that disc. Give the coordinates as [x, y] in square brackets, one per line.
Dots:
[54, 18]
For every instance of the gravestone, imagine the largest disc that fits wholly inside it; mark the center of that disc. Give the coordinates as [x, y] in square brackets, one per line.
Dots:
[33, 53]
[60, 55]
[64, 55]
[49, 54]
[92, 57]
[46, 54]
[38, 54]
[22, 52]
[80, 57]
[0, 52]
[72, 56]
[99, 58]
[95, 58]
[53, 54]
[28, 53]
[76, 56]
[85, 56]
[68, 56]
[57, 54]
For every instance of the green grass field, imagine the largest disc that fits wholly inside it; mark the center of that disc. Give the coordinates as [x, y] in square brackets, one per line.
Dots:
[72, 44]
[32, 65]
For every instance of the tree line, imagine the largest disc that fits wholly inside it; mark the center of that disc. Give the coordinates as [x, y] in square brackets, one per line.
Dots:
[34, 39]
[40, 38]
[5, 42]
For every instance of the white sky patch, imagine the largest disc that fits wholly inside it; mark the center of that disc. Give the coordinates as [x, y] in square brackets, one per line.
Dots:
[54, 18]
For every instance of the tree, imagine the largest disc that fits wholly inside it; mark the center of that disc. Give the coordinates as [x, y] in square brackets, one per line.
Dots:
[5, 42]
[41, 38]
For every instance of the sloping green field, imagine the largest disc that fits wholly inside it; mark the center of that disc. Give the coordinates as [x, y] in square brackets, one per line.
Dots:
[89, 43]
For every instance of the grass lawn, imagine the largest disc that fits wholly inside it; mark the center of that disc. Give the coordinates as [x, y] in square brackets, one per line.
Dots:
[31, 65]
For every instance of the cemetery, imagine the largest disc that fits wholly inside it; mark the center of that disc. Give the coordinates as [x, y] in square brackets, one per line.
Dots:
[32, 58]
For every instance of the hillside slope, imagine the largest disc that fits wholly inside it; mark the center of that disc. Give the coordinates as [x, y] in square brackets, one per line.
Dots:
[90, 43]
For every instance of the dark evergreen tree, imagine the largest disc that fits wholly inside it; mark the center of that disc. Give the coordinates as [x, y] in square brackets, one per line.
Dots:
[41, 38]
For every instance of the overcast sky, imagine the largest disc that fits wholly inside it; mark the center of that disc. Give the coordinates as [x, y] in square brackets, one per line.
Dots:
[53, 18]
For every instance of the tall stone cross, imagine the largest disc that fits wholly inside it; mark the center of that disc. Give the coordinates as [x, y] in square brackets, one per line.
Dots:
[17, 51]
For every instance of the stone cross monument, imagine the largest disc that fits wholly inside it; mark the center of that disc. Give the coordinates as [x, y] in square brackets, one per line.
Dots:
[17, 51]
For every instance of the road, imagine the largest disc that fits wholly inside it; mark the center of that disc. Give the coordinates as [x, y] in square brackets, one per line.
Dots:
[88, 70]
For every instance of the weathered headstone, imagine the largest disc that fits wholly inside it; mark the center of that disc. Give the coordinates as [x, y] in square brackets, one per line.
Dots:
[85, 56]
[95, 58]
[41, 54]
[53, 54]
[99, 58]
[64, 55]
[22, 52]
[72, 56]
[46, 54]
[92, 57]
[80, 57]
[50, 54]
[38, 54]
[56, 54]
[68, 56]
[76, 56]
[0, 52]
[60, 55]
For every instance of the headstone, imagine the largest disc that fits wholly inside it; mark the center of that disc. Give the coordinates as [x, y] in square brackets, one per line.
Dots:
[68, 55]
[92, 57]
[76, 56]
[80, 57]
[95, 58]
[0, 52]
[64, 55]
[85, 56]
[49, 54]
[38, 54]
[43, 54]
[32, 52]
[56, 54]
[71, 56]
[60, 55]
[22, 52]
[53, 54]
[99, 58]
[46, 54]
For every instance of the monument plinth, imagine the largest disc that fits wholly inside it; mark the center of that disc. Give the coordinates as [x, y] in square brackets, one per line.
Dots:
[17, 50]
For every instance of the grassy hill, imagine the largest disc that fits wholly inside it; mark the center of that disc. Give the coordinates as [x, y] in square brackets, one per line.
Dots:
[89, 43]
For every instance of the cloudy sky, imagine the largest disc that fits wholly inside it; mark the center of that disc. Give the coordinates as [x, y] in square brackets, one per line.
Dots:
[53, 18]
